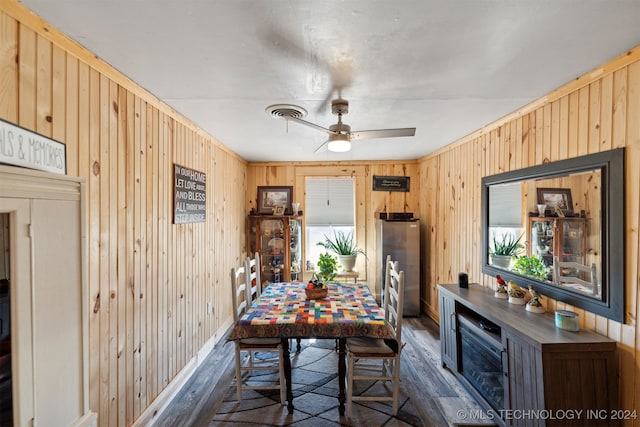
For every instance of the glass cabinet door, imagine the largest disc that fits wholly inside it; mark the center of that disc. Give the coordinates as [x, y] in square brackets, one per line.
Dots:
[561, 243]
[295, 244]
[278, 240]
[572, 234]
[273, 253]
[563, 238]
[542, 239]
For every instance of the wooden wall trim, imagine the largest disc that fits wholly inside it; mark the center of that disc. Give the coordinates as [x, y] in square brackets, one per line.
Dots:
[336, 163]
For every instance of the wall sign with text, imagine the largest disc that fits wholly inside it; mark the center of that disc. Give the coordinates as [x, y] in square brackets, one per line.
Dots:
[190, 195]
[21, 147]
[391, 183]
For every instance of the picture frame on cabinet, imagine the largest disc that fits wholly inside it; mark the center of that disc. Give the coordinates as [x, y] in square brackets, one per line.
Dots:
[279, 210]
[270, 197]
[559, 198]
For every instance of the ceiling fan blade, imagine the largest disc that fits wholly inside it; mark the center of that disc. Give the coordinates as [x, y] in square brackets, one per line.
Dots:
[320, 148]
[382, 133]
[311, 125]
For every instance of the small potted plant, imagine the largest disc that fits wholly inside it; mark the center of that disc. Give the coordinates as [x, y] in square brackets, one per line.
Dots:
[532, 266]
[503, 249]
[344, 246]
[327, 269]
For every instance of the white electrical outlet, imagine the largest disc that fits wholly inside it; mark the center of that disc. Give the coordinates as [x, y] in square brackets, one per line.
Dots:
[209, 307]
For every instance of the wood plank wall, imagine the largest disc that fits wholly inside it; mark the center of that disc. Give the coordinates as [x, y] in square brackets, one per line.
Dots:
[368, 202]
[596, 112]
[149, 280]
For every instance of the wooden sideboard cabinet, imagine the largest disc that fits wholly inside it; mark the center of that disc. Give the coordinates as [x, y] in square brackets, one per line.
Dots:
[523, 369]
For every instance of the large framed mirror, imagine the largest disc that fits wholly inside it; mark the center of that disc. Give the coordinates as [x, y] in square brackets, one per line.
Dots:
[559, 227]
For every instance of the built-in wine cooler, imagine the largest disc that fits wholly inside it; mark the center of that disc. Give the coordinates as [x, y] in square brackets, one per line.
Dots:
[481, 357]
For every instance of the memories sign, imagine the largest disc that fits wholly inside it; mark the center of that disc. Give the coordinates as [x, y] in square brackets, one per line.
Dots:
[21, 147]
[391, 183]
[190, 194]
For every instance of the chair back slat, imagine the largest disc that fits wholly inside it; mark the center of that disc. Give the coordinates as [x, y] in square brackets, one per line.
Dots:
[394, 297]
[252, 268]
[238, 292]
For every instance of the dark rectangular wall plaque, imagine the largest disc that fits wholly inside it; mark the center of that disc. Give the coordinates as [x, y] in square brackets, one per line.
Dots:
[189, 195]
[391, 183]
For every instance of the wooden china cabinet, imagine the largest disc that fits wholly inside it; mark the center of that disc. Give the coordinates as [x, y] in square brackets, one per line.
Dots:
[555, 236]
[278, 240]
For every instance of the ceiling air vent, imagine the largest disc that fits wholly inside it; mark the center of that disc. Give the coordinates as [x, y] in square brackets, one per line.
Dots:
[282, 111]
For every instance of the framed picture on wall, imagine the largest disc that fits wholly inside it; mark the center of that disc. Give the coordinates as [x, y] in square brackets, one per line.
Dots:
[559, 198]
[271, 197]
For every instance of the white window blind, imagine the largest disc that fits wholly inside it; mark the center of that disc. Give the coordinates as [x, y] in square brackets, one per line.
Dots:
[329, 201]
[505, 205]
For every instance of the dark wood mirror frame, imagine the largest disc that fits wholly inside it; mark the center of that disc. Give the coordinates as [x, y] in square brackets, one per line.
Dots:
[611, 163]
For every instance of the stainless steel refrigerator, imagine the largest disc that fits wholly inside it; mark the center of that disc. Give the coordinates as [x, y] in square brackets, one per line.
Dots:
[401, 240]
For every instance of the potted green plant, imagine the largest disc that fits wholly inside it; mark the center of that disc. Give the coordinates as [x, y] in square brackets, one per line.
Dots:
[344, 246]
[532, 266]
[327, 267]
[504, 248]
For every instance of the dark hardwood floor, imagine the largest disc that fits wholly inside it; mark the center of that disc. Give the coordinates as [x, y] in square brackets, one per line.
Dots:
[438, 396]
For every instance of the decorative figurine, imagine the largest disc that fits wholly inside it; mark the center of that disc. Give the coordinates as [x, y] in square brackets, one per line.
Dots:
[534, 305]
[516, 294]
[501, 291]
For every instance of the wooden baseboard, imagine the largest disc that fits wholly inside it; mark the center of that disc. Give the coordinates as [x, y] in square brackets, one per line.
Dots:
[166, 396]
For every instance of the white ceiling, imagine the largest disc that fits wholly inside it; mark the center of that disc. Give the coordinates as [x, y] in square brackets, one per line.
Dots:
[446, 67]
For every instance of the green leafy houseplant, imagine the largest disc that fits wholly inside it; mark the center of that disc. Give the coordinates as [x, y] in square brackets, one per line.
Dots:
[327, 267]
[507, 245]
[532, 266]
[341, 244]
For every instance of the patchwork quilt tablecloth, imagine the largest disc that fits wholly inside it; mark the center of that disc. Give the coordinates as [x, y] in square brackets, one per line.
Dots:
[282, 310]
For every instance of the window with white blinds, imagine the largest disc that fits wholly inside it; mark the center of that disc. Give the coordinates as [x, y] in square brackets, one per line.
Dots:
[330, 201]
[329, 207]
[505, 208]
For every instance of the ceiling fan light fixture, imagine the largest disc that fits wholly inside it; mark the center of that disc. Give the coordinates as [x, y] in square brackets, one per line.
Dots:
[339, 143]
[340, 134]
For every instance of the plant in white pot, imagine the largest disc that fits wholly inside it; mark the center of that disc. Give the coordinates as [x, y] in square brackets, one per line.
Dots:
[505, 248]
[344, 246]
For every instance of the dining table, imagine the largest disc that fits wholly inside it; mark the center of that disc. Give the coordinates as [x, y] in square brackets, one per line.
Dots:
[283, 310]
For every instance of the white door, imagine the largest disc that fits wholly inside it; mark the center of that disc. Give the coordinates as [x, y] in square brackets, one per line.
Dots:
[19, 211]
[48, 309]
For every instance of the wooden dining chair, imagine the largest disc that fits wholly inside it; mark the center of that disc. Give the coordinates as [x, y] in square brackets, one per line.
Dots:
[252, 268]
[374, 360]
[254, 354]
[569, 273]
